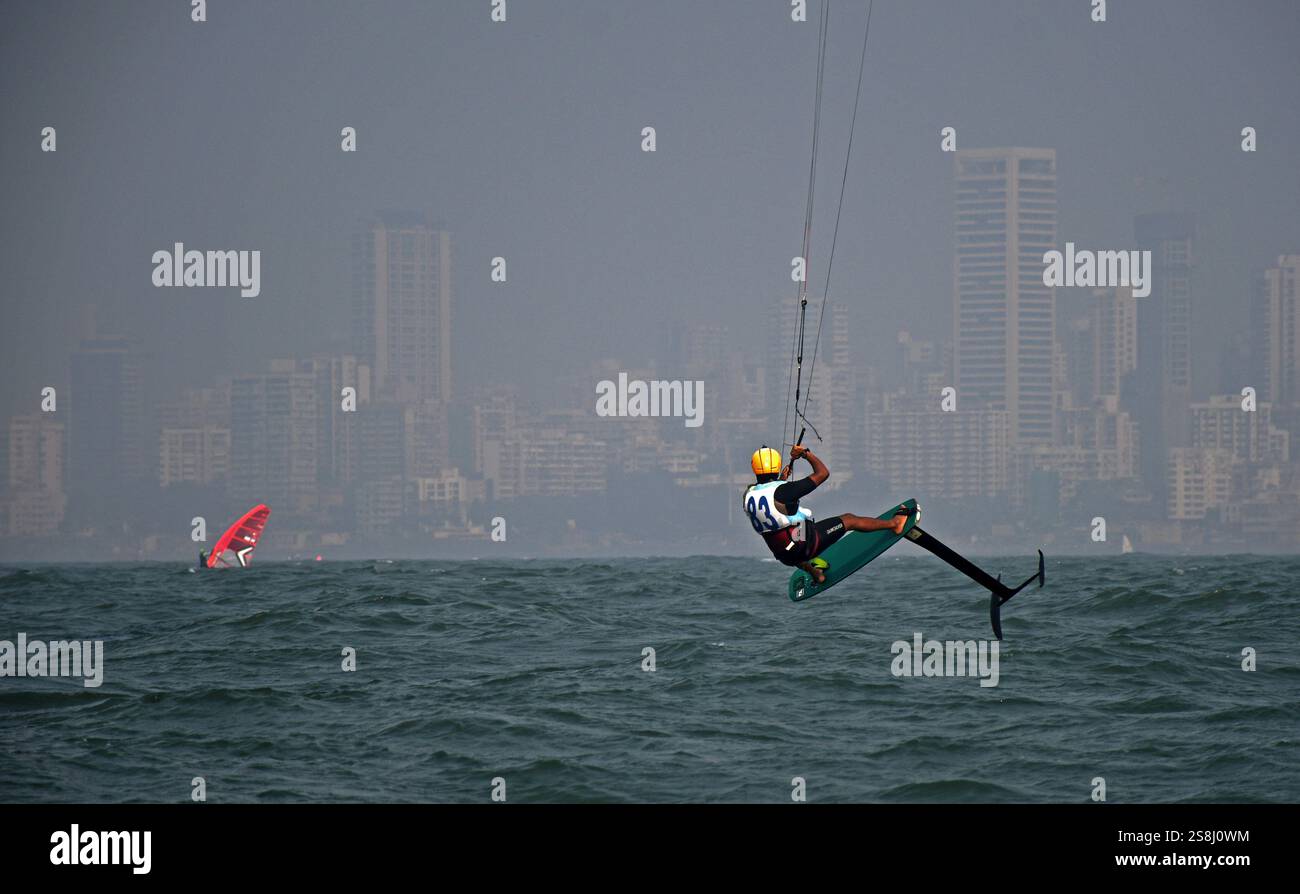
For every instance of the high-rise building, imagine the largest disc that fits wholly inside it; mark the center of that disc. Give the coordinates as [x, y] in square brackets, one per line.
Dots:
[337, 422]
[196, 408]
[273, 430]
[35, 500]
[107, 447]
[430, 441]
[559, 463]
[701, 349]
[1113, 322]
[1199, 480]
[1238, 362]
[1164, 344]
[1275, 331]
[494, 421]
[1004, 314]
[194, 437]
[741, 390]
[703, 353]
[503, 466]
[1076, 361]
[386, 437]
[920, 449]
[915, 364]
[194, 455]
[1220, 423]
[446, 497]
[402, 306]
[35, 453]
[1096, 441]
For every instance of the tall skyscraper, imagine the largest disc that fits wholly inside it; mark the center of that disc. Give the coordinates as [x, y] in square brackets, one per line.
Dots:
[494, 420]
[1076, 372]
[702, 354]
[1164, 344]
[193, 455]
[106, 432]
[701, 349]
[402, 306]
[836, 394]
[34, 494]
[922, 450]
[1199, 481]
[35, 453]
[194, 438]
[1220, 424]
[336, 427]
[386, 435]
[273, 430]
[1275, 329]
[1113, 321]
[1004, 316]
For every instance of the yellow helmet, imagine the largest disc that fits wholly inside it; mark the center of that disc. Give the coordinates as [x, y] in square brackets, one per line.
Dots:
[766, 461]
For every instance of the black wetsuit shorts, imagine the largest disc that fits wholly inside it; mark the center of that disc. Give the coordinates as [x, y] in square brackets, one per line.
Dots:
[790, 549]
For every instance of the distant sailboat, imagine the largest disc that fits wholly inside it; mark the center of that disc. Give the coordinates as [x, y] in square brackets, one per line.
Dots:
[1126, 546]
[240, 539]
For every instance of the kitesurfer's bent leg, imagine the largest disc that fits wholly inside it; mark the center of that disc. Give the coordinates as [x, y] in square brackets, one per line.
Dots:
[862, 523]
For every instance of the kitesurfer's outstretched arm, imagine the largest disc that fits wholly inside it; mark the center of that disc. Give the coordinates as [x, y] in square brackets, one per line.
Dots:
[820, 472]
[851, 522]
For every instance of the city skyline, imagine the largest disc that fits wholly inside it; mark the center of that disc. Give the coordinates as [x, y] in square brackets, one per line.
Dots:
[510, 233]
[276, 434]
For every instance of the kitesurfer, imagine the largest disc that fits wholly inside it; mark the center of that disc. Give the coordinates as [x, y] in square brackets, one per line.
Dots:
[788, 529]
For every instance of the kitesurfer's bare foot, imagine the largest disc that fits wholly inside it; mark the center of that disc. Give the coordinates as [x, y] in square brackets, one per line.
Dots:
[818, 574]
[899, 522]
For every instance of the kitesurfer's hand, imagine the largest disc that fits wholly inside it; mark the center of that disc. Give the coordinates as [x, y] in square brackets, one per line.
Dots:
[797, 452]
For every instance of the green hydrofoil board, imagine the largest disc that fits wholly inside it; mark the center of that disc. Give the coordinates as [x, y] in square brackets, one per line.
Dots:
[848, 554]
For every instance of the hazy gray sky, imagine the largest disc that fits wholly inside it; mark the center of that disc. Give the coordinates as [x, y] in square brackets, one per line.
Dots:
[523, 138]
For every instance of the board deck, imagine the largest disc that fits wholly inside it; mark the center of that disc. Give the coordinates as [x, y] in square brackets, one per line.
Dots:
[849, 554]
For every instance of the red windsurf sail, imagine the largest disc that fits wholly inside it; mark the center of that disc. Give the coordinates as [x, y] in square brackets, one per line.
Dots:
[241, 538]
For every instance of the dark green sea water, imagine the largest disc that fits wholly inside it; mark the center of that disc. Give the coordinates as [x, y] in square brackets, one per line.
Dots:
[1127, 668]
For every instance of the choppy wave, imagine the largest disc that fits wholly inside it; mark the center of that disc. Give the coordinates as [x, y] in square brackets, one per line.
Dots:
[1125, 668]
